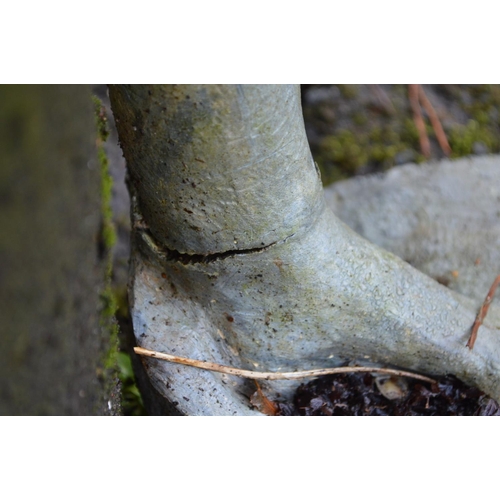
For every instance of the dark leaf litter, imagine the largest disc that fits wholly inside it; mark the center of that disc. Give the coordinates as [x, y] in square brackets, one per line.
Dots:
[358, 395]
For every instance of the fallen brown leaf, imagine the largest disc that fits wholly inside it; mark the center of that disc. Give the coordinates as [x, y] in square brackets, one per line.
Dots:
[262, 403]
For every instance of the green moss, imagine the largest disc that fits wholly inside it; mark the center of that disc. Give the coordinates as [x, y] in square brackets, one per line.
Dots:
[132, 402]
[481, 116]
[420, 158]
[131, 397]
[355, 136]
[409, 132]
[344, 148]
[482, 107]
[101, 120]
[122, 307]
[343, 154]
[462, 138]
[108, 229]
[348, 91]
[116, 363]
[108, 321]
[107, 318]
[359, 119]
[376, 134]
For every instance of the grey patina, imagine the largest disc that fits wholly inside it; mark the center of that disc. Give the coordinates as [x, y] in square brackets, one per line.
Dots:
[238, 259]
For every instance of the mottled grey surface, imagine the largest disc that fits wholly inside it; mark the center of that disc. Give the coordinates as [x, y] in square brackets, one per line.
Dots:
[316, 308]
[443, 218]
[318, 295]
[205, 159]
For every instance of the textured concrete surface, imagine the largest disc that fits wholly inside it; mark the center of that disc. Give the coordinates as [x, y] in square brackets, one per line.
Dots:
[237, 258]
[442, 217]
[329, 308]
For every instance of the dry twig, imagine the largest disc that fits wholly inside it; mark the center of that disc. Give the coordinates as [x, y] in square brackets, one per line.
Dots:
[435, 122]
[215, 367]
[413, 95]
[482, 313]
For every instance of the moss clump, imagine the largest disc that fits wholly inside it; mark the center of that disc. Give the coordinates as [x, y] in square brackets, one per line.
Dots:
[481, 103]
[348, 91]
[357, 130]
[116, 363]
[101, 119]
[343, 149]
[108, 322]
[131, 397]
[107, 240]
[409, 132]
[360, 119]
[108, 233]
[132, 402]
[345, 153]
[463, 139]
